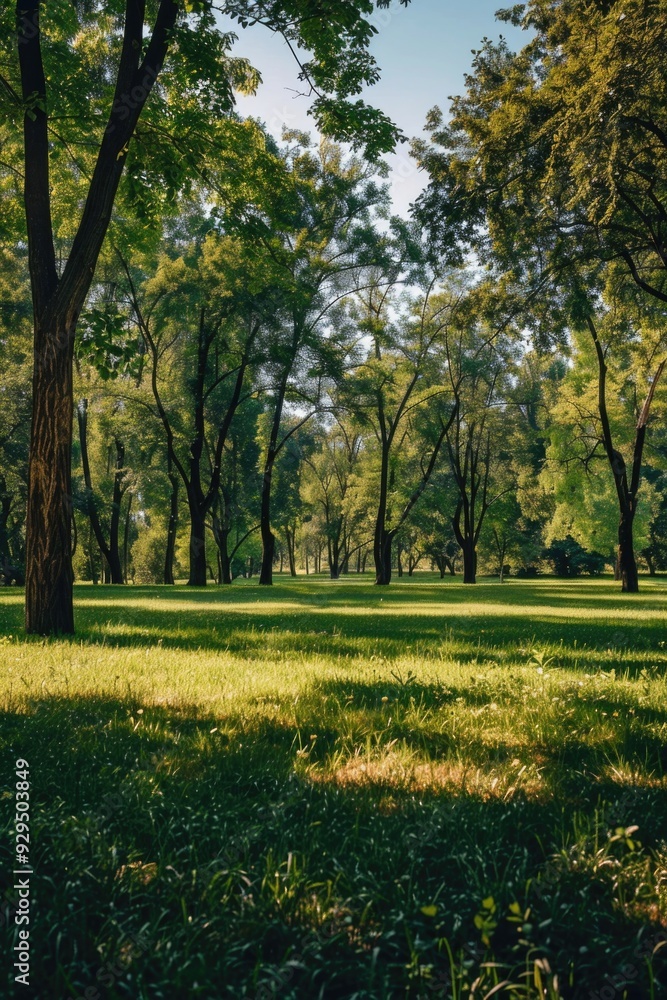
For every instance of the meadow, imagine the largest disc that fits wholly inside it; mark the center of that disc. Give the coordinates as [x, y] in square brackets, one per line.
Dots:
[334, 790]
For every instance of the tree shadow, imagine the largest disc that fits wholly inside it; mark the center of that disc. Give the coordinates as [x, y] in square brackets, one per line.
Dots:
[226, 849]
[352, 621]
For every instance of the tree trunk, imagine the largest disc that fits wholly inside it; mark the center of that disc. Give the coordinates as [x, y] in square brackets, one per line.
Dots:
[49, 577]
[268, 538]
[225, 562]
[5, 507]
[222, 539]
[289, 536]
[171, 528]
[334, 569]
[113, 571]
[126, 537]
[58, 299]
[268, 548]
[383, 559]
[626, 556]
[197, 576]
[469, 561]
[115, 563]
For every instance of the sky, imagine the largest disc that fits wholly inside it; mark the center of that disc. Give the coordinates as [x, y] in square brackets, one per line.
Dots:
[423, 52]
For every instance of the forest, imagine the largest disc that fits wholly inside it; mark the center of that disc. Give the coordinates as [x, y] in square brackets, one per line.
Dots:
[360, 514]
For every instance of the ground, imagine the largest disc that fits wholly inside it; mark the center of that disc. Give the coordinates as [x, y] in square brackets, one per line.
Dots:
[329, 789]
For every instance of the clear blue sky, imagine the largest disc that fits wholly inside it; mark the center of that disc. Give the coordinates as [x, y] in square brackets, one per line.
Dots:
[423, 52]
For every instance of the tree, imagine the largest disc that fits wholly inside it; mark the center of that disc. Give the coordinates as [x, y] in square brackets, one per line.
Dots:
[235, 514]
[394, 389]
[559, 151]
[593, 429]
[14, 412]
[318, 246]
[200, 319]
[110, 549]
[329, 474]
[479, 360]
[97, 112]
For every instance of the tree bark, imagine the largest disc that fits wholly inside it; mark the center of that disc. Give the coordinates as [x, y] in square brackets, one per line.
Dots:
[197, 577]
[49, 576]
[110, 551]
[469, 562]
[268, 538]
[289, 539]
[225, 561]
[626, 556]
[115, 561]
[382, 554]
[126, 537]
[332, 552]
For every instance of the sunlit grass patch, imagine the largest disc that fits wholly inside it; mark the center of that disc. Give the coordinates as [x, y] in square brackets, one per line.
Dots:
[332, 780]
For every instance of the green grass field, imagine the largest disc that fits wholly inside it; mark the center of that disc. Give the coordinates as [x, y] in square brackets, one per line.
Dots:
[332, 790]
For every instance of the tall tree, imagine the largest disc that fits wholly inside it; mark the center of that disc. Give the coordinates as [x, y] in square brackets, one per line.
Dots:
[399, 384]
[329, 473]
[322, 242]
[199, 321]
[593, 423]
[560, 150]
[478, 365]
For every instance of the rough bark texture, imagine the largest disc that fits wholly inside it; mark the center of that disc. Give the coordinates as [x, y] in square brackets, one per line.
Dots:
[49, 576]
[268, 538]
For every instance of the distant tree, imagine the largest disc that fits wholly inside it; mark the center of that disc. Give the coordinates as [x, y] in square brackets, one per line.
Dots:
[479, 361]
[329, 472]
[401, 386]
[200, 319]
[324, 239]
[593, 423]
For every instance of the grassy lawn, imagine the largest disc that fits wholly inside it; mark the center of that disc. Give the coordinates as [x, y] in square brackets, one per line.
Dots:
[334, 790]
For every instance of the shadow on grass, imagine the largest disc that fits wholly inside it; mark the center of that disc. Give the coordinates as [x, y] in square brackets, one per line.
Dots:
[209, 841]
[582, 624]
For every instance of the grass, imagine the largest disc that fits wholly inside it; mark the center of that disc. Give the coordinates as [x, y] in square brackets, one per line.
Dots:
[328, 790]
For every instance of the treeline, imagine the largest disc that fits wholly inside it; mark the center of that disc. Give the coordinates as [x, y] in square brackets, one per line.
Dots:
[316, 391]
